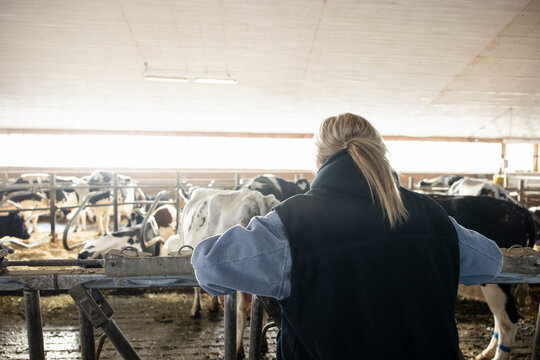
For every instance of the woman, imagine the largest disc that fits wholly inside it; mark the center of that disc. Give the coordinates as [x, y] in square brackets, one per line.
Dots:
[363, 268]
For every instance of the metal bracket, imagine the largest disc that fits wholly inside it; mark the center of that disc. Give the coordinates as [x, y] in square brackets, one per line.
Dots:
[93, 304]
[98, 311]
[131, 263]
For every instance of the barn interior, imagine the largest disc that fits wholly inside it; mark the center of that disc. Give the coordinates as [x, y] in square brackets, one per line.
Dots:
[213, 93]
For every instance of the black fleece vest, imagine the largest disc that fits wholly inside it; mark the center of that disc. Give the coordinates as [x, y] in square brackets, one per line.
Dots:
[360, 290]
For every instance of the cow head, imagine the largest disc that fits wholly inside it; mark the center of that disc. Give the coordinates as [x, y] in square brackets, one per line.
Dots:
[136, 217]
[96, 249]
[15, 226]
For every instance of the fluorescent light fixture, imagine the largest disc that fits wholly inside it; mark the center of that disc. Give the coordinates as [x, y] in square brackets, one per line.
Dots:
[165, 78]
[216, 81]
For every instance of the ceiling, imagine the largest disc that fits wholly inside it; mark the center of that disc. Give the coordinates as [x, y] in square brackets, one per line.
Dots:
[424, 68]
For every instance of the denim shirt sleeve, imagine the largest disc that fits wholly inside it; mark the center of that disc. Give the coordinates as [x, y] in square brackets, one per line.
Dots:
[480, 258]
[255, 259]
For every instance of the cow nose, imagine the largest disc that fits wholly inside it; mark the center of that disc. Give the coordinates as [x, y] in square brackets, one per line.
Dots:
[83, 255]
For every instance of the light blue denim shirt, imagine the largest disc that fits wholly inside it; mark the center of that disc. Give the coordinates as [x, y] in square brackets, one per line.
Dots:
[257, 259]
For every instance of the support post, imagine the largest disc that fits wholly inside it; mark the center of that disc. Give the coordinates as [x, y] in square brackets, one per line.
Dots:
[536, 346]
[230, 326]
[52, 206]
[520, 190]
[33, 324]
[177, 201]
[411, 182]
[115, 201]
[255, 332]
[86, 337]
[535, 158]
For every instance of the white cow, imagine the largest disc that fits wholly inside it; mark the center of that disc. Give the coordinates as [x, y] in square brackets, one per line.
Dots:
[210, 212]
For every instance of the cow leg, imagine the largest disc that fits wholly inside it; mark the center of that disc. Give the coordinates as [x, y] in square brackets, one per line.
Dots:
[34, 224]
[489, 351]
[106, 219]
[82, 219]
[501, 303]
[99, 220]
[196, 307]
[214, 304]
[242, 308]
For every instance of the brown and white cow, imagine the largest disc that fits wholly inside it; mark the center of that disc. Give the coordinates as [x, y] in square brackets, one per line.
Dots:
[210, 212]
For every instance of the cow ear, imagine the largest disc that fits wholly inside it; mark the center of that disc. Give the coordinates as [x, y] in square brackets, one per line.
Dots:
[271, 202]
[303, 184]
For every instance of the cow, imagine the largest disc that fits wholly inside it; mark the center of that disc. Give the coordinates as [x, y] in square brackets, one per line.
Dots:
[479, 187]
[164, 216]
[38, 196]
[13, 224]
[209, 212]
[443, 181]
[507, 224]
[101, 181]
[280, 188]
[128, 237]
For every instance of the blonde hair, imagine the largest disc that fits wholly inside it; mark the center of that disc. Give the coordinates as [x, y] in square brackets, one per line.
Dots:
[365, 145]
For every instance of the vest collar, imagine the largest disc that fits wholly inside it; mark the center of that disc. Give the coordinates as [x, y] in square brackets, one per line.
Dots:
[340, 173]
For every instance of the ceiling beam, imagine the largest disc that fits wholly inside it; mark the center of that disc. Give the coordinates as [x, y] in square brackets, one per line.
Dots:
[230, 134]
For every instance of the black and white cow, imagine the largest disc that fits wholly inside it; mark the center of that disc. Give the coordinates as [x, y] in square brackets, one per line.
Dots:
[30, 192]
[13, 224]
[210, 212]
[101, 180]
[443, 180]
[479, 187]
[507, 224]
[131, 236]
[280, 188]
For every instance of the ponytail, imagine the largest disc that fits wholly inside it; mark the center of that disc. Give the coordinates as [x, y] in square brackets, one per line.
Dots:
[366, 147]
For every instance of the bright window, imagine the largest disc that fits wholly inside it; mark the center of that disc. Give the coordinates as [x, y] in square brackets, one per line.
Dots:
[108, 151]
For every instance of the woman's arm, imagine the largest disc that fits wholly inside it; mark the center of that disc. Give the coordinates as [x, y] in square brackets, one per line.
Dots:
[480, 258]
[255, 259]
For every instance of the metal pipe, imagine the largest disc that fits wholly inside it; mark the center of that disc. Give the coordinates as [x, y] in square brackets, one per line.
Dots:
[34, 330]
[52, 205]
[55, 262]
[115, 202]
[255, 338]
[117, 337]
[86, 337]
[148, 215]
[82, 205]
[177, 201]
[11, 195]
[230, 326]
[520, 190]
[268, 327]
